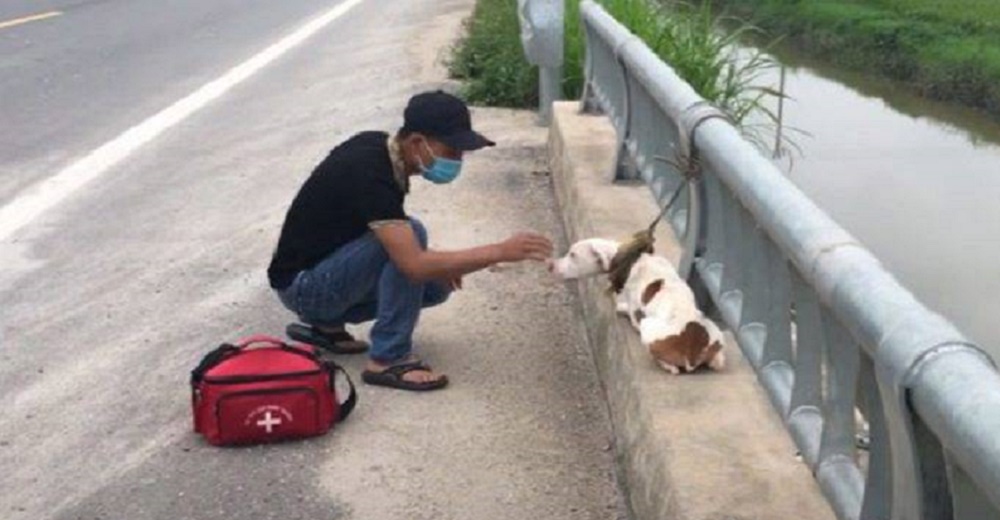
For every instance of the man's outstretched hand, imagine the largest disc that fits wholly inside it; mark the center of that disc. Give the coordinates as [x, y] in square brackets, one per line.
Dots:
[526, 246]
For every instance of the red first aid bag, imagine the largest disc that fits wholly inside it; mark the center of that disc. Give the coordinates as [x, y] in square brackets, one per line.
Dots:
[262, 389]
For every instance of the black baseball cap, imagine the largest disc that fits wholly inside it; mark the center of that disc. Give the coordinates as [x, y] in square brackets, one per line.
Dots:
[445, 118]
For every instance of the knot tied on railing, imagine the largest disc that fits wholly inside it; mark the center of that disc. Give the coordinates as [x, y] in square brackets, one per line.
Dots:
[688, 167]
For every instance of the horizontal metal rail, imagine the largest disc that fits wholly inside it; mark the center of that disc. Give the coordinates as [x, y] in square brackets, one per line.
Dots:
[830, 332]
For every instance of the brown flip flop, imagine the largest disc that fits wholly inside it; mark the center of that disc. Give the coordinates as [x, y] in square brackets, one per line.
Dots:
[339, 342]
[392, 377]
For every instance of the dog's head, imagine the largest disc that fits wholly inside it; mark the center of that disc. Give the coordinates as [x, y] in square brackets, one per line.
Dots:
[585, 258]
[691, 348]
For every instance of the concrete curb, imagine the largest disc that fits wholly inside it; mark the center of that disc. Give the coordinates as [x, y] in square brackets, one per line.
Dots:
[698, 447]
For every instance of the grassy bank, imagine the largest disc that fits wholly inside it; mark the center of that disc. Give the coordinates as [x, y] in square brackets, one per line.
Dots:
[490, 60]
[492, 64]
[945, 50]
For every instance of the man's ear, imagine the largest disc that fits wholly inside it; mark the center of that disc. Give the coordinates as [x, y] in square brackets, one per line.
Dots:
[412, 142]
[412, 147]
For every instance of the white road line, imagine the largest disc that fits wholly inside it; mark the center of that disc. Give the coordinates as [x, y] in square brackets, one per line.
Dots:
[26, 19]
[48, 193]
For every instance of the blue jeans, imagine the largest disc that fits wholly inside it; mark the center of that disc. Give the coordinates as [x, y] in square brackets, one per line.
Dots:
[357, 283]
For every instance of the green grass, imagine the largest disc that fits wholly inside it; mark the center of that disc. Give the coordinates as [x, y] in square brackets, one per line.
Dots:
[490, 59]
[973, 14]
[491, 62]
[945, 49]
[574, 52]
[692, 42]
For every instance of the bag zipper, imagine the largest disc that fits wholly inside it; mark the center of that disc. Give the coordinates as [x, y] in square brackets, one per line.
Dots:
[232, 380]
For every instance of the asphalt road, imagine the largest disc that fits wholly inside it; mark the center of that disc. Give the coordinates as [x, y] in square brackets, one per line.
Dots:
[76, 80]
[129, 269]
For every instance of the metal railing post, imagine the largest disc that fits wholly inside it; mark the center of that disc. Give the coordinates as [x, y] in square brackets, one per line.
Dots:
[549, 91]
[542, 25]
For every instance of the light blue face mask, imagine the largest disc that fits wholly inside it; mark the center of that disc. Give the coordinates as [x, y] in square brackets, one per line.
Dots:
[441, 170]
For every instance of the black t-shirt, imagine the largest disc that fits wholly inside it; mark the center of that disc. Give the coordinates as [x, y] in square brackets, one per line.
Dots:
[353, 187]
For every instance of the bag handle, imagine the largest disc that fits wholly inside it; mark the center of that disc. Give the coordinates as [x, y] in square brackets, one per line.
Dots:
[352, 396]
[260, 338]
[271, 341]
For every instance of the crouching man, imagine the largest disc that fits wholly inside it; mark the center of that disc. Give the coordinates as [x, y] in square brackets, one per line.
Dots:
[348, 252]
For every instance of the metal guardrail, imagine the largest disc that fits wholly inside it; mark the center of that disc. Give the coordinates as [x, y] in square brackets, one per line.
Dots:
[828, 330]
[542, 39]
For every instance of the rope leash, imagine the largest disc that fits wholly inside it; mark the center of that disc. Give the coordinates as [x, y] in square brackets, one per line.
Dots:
[689, 166]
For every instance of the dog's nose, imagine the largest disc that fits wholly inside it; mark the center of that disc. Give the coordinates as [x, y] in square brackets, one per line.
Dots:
[551, 265]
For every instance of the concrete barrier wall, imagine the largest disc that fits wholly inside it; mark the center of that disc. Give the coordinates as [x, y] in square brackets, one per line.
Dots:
[706, 446]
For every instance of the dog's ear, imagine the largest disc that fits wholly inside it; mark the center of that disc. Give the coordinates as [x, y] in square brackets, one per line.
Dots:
[650, 291]
[603, 257]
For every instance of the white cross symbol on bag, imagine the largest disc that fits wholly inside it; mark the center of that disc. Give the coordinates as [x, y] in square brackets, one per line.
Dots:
[269, 422]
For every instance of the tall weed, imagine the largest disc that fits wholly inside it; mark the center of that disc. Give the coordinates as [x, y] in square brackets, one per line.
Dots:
[490, 59]
[690, 39]
[704, 49]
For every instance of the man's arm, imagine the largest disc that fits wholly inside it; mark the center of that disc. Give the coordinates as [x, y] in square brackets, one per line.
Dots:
[420, 266]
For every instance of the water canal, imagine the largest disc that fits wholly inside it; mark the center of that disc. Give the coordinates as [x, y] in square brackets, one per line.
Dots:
[917, 181]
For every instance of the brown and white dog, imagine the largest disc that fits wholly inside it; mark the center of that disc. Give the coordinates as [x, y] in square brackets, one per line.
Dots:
[657, 302]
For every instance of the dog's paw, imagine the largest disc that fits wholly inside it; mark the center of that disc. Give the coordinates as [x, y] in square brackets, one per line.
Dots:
[669, 368]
